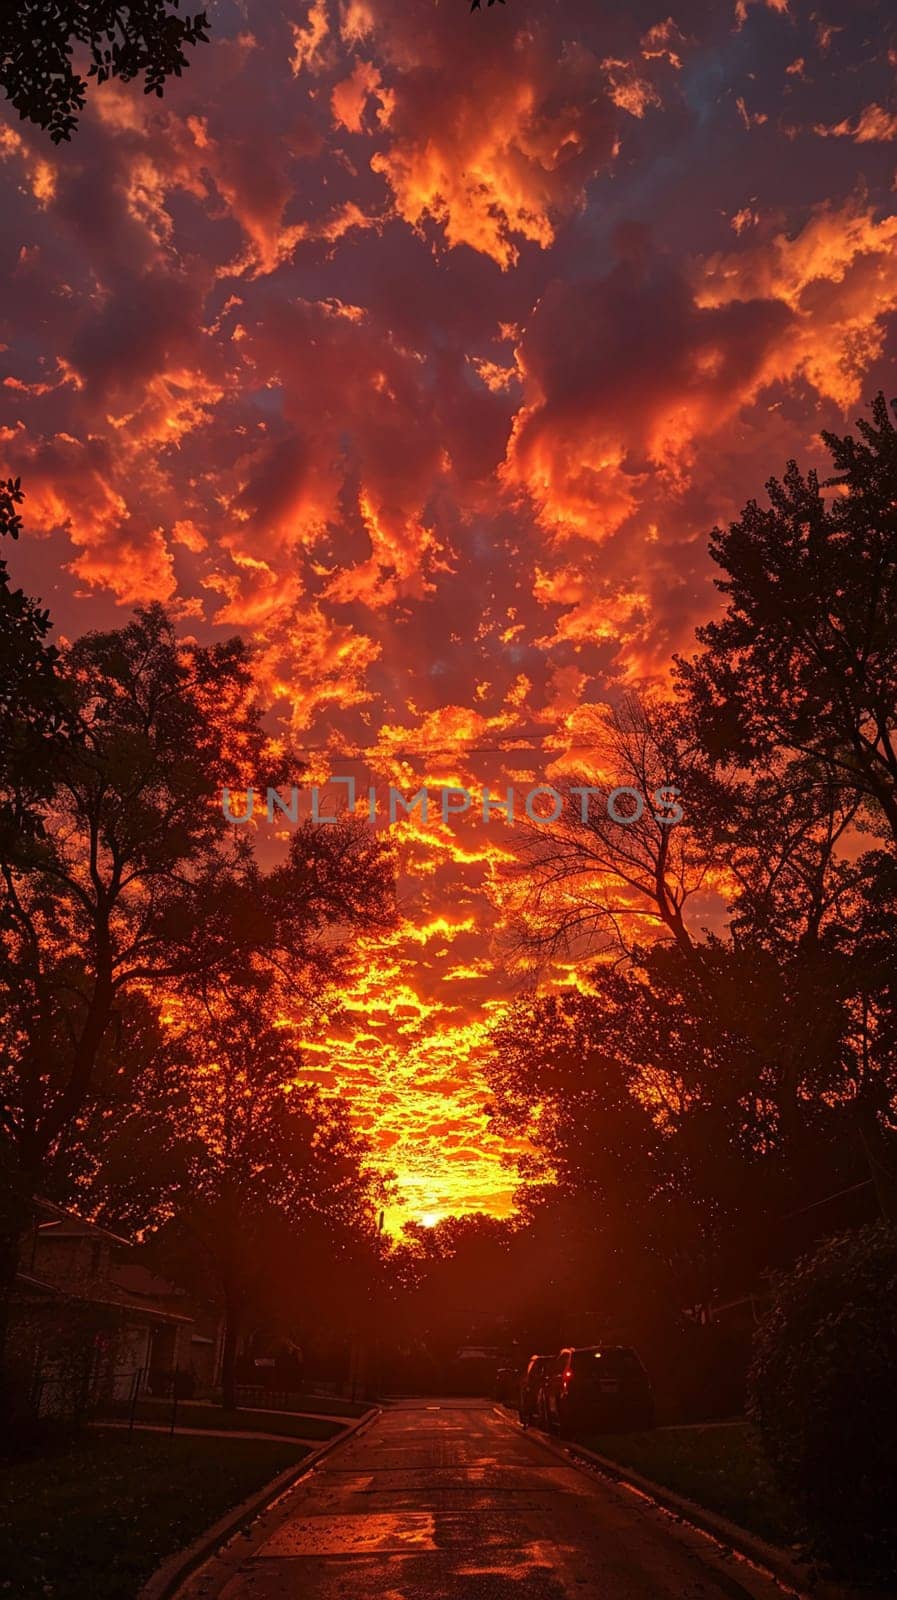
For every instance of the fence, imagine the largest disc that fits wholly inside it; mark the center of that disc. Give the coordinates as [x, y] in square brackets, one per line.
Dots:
[75, 1396]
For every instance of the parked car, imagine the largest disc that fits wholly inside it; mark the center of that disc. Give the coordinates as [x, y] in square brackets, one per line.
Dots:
[600, 1388]
[531, 1389]
[507, 1385]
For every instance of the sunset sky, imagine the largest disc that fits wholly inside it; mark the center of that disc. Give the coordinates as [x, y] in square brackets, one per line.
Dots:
[425, 348]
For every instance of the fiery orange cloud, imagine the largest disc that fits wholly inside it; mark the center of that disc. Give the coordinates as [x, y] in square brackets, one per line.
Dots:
[425, 349]
[873, 125]
[497, 152]
[350, 97]
[839, 267]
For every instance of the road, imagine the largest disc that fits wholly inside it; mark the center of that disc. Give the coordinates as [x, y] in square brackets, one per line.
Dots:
[449, 1500]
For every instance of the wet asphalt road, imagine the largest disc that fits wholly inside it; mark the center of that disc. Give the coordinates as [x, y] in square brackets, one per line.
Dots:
[448, 1500]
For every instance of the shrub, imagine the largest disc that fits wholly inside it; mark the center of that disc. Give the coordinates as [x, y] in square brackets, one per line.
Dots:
[823, 1396]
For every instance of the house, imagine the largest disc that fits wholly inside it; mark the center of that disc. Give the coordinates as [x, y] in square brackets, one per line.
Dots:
[90, 1324]
[201, 1354]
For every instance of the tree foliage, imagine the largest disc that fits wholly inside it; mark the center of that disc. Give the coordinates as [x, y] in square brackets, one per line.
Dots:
[804, 658]
[136, 882]
[42, 43]
[32, 718]
[588, 881]
[822, 1387]
[255, 1172]
[130, 854]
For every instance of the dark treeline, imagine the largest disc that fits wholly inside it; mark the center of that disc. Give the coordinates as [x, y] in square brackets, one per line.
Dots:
[728, 1067]
[148, 964]
[719, 1089]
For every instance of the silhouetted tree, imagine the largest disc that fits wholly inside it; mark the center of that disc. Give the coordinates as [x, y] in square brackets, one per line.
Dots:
[625, 856]
[461, 1281]
[137, 880]
[804, 660]
[796, 687]
[682, 1194]
[39, 39]
[270, 1165]
[130, 854]
[31, 710]
[824, 1375]
[600, 1108]
[555, 1083]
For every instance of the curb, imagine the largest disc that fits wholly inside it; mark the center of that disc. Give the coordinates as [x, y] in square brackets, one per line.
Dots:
[800, 1579]
[164, 1583]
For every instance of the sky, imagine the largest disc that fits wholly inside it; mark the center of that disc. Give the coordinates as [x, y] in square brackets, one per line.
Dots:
[424, 348]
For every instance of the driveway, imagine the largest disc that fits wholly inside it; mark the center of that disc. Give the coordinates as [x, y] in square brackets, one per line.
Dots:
[449, 1500]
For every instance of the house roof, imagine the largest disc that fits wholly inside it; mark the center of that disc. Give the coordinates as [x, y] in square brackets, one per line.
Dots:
[62, 1224]
[105, 1296]
[128, 1285]
[136, 1279]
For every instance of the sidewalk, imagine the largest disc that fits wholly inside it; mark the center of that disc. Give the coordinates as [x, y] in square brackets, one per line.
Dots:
[267, 1411]
[210, 1433]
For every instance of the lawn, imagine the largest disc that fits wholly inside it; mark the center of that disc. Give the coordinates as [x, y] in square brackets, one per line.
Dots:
[191, 1414]
[719, 1467]
[90, 1517]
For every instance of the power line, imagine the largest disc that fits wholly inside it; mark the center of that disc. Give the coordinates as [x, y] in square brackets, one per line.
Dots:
[853, 1189]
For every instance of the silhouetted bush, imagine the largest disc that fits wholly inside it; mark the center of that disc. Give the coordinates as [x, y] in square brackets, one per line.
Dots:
[823, 1395]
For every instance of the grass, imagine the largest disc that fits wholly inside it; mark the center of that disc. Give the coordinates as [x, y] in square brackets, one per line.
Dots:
[193, 1415]
[720, 1467]
[92, 1515]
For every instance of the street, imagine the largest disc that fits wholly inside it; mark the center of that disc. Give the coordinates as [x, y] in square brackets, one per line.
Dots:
[449, 1500]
